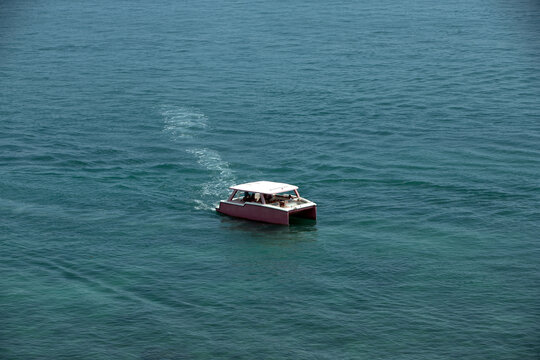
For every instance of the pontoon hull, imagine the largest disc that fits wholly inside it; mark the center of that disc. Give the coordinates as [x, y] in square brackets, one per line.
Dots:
[266, 214]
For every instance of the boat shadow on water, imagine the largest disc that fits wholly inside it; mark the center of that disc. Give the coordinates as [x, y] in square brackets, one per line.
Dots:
[300, 229]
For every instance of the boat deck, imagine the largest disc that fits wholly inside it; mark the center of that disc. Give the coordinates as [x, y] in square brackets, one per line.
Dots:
[282, 202]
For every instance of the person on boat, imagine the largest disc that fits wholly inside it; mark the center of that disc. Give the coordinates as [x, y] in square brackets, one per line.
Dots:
[257, 197]
[247, 197]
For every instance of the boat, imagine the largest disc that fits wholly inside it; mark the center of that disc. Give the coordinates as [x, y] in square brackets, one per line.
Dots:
[267, 201]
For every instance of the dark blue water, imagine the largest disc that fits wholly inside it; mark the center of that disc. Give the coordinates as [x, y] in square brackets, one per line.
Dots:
[414, 125]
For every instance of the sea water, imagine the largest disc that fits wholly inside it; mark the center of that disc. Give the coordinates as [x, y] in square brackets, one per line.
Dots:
[414, 125]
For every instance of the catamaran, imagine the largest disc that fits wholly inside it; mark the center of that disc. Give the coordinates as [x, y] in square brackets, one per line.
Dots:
[267, 201]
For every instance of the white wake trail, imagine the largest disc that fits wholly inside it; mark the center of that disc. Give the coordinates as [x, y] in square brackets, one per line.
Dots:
[217, 188]
[185, 123]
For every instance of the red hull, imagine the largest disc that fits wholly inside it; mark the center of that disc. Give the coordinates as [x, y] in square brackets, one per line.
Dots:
[265, 214]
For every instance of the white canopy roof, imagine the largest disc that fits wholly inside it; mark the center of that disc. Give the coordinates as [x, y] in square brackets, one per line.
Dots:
[264, 187]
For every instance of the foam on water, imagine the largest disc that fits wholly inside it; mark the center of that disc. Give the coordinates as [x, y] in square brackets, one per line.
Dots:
[223, 177]
[181, 122]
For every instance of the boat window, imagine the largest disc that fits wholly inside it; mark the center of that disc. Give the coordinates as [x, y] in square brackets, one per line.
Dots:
[246, 196]
[287, 195]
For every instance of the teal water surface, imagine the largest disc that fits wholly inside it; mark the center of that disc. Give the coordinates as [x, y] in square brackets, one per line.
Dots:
[414, 125]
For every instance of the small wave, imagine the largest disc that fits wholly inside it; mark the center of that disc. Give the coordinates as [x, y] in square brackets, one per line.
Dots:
[94, 283]
[183, 122]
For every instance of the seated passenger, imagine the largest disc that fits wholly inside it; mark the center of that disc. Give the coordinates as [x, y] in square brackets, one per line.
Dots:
[247, 197]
